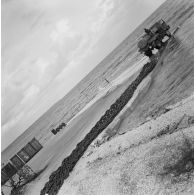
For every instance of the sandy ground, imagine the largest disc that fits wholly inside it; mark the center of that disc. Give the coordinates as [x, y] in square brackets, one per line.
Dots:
[137, 162]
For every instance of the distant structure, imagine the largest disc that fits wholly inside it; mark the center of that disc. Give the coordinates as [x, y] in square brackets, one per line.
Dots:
[18, 161]
[153, 38]
[55, 131]
[107, 81]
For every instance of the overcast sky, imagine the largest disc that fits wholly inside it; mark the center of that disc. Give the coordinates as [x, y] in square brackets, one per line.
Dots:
[50, 45]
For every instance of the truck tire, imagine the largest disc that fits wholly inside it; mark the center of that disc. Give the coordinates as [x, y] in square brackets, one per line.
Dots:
[148, 53]
[158, 45]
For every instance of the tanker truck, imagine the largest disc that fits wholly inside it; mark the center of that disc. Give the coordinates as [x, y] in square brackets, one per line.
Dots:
[154, 38]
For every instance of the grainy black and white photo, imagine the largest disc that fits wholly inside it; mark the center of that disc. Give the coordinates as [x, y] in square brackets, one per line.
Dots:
[97, 97]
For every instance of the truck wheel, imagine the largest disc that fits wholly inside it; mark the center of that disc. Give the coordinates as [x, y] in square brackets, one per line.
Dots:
[148, 53]
[158, 45]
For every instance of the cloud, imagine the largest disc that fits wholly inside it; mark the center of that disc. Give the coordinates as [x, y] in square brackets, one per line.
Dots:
[97, 24]
[30, 94]
[62, 30]
[42, 65]
[9, 125]
[105, 8]
[22, 85]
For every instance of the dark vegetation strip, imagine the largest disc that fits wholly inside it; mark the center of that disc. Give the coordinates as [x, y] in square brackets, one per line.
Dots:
[57, 178]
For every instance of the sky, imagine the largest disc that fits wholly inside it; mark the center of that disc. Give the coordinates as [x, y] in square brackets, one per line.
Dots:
[48, 46]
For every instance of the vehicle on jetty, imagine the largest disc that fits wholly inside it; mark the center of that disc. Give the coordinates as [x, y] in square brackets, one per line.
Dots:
[154, 38]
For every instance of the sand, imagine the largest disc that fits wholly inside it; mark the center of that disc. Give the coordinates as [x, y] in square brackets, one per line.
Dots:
[134, 163]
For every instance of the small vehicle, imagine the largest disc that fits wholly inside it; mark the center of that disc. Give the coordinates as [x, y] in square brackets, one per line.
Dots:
[55, 131]
[154, 38]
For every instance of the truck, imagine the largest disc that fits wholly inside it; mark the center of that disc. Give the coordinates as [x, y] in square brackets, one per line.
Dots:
[154, 38]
